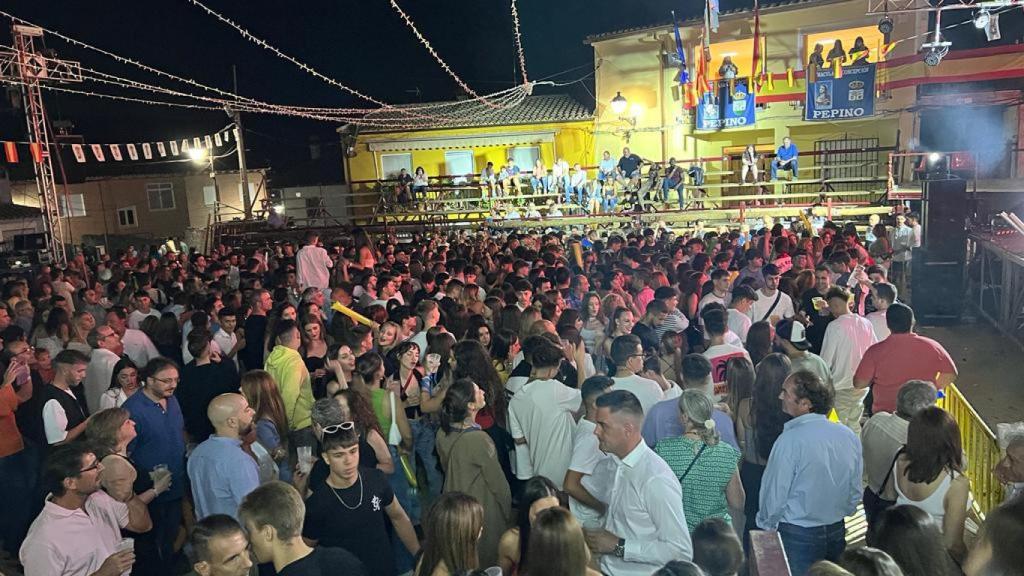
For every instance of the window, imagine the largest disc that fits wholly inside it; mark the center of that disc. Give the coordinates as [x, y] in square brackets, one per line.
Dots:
[126, 217]
[161, 195]
[873, 40]
[209, 195]
[72, 205]
[459, 164]
[525, 156]
[391, 164]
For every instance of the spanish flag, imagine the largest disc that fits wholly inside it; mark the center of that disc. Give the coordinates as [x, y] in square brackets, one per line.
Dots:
[771, 82]
[886, 49]
[789, 77]
[837, 66]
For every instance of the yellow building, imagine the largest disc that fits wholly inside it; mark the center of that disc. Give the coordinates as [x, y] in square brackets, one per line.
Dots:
[639, 65]
[548, 127]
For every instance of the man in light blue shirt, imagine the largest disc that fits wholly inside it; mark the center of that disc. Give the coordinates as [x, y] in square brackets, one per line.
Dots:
[220, 471]
[663, 419]
[813, 477]
[785, 159]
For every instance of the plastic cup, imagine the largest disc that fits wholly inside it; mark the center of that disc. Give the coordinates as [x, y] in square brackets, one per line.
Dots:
[158, 472]
[305, 459]
[126, 544]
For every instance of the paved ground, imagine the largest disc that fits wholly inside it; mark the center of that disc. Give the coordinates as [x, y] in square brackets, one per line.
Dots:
[991, 369]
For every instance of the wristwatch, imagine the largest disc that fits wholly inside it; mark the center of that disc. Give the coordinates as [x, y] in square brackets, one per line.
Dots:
[620, 548]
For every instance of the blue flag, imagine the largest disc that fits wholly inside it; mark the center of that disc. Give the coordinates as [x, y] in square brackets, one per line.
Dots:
[684, 77]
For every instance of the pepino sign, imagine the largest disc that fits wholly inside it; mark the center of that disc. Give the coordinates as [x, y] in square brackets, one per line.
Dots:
[850, 97]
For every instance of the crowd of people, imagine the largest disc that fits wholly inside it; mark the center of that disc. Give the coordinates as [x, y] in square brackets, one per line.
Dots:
[619, 402]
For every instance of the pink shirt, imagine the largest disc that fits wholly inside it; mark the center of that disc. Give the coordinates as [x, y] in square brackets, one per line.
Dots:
[64, 542]
[898, 358]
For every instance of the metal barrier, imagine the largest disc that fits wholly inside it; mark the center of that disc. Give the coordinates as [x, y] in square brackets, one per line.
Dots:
[981, 448]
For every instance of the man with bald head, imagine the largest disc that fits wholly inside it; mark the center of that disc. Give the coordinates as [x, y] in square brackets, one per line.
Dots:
[222, 473]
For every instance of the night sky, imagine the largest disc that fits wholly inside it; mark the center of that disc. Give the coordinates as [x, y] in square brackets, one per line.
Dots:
[361, 43]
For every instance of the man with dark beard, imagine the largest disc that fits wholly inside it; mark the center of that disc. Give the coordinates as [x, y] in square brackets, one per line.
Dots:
[221, 473]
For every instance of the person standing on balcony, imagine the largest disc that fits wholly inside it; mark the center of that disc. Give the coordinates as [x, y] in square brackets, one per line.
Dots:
[728, 69]
[901, 357]
[813, 478]
[786, 159]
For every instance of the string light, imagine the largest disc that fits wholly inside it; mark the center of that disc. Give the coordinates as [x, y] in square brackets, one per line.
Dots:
[426, 44]
[116, 97]
[519, 41]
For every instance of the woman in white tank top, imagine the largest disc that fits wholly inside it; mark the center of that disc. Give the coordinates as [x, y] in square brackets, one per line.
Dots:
[929, 475]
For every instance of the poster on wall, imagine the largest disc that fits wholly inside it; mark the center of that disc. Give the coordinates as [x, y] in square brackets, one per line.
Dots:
[731, 105]
[852, 95]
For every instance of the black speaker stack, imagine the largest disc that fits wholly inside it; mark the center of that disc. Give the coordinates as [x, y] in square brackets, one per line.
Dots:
[938, 268]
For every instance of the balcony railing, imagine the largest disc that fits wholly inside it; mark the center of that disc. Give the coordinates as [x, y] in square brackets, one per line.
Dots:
[981, 448]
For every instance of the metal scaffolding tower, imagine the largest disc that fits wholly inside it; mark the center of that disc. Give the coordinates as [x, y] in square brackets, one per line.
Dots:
[27, 67]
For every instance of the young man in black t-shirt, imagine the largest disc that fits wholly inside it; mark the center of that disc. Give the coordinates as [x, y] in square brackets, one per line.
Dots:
[352, 507]
[273, 515]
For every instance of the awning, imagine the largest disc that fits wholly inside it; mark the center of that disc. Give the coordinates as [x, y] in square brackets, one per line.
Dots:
[461, 142]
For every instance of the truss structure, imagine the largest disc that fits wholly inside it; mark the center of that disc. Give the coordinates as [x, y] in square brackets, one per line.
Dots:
[26, 67]
[883, 7]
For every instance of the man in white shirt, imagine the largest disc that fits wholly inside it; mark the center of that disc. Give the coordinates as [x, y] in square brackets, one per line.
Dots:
[429, 312]
[585, 505]
[312, 264]
[772, 304]
[719, 351]
[107, 351]
[628, 355]
[225, 338]
[743, 297]
[644, 526]
[137, 345]
[78, 531]
[144, 309]
[883, 295]
[542, 416]
[847, 338]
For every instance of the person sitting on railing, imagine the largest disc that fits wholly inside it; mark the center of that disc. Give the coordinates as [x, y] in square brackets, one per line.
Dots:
[673, 180]
[785, 159]
[419, 184]
[750, 160]
[559, 176]
[488, 181]
[629, 167]
[509, 177]
[403, 187]
[539, 179]
[578, 184]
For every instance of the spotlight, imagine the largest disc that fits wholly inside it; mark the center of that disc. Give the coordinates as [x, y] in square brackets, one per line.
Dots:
[982, 18]
[934, 157]
[933, 57]
[885, 25]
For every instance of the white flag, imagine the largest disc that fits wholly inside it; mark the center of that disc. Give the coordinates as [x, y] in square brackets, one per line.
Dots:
[196, 142]
[79, 152]
[147, 151]
[227, 136]
[97, 151]
[132, 152]
[174, 147]
[216, 138]
[184, 146]
[992, 30]
[115, 152]
[209, 142]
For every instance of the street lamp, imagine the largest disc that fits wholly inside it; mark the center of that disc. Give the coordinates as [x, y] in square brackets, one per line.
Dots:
[198, 155]
[619, 104]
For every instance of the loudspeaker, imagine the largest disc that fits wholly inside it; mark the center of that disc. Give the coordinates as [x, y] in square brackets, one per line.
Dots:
[944, 212]
[937, 289]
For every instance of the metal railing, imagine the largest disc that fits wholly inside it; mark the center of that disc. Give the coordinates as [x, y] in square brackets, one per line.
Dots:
[981, 447]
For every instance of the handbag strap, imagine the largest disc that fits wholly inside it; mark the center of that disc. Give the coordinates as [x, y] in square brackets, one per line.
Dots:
[778, 296]
[692, 462]
[885, 481]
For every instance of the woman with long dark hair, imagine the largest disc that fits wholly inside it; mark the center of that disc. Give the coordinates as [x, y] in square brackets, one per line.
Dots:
[124, 381]
[503, 351]
[759, 341]
[539, 494]
[167, 337]
[469, 460]
[760, 432]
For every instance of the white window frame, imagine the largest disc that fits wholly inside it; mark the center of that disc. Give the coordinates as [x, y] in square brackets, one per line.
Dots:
[397, 156]
[460, 178]
[525, 167]
[159, 188]
[125, 211]
[72, 205]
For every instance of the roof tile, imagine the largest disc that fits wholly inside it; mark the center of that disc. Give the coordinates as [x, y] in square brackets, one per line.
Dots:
[533, 110]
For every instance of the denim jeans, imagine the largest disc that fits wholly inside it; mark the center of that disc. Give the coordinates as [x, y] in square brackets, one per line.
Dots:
[805, 546]
[424, 436]
[410, 501]
[609, 203]
[791, 167]
[539, 185]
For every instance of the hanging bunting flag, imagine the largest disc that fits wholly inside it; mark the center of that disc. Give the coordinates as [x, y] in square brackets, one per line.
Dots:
[147, 151]
[37, 152]
[992, 30]
[161, 149]
[115, 152]
[771, 81]
[712, 11]
[789, 77]
[132, 152]
[184, 146]
[79, 152]
[837, 66]
[174, 147]
[97, 151]
[756, 62]
[11, 152]
[216, 138]
[684, 77]
[196, 142]
[227, 136]
[209, 141]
